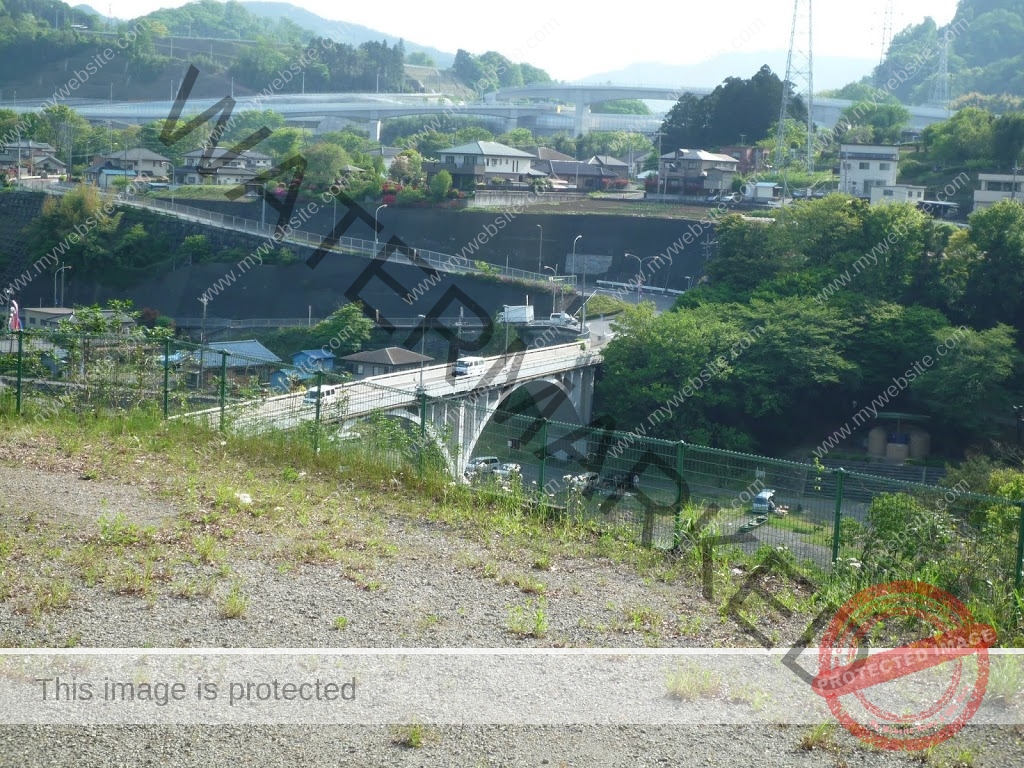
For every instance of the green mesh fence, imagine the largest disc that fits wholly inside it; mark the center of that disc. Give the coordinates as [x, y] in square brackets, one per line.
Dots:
[863, 528]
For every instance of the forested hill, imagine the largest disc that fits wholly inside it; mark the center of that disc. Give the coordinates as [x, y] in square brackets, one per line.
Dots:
[42, 41]
[986, 56]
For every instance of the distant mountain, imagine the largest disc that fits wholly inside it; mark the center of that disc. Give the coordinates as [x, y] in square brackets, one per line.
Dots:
[339, 31]
[829, 71]
[88, 9]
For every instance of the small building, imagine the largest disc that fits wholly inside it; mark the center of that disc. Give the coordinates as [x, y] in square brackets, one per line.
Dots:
[246, 361]
[750, 159]
[109, 178]
[381, 361]
[387, 153]
[312, 360]
[25, 152]
[545, 153]
[572, 174]
[49, 318]
[897, 193]
[695, 172]
[612, 164]
[863, 166]
[762, 191]
[996, 187]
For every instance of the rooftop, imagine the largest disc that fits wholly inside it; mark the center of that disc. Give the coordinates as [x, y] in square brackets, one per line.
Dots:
[388, 356]
[139, 153]
[486, 148]
[241, 354]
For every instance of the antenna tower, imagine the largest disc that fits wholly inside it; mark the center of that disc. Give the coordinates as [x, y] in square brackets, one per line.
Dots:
[799, 79]
[886, 36]
[940, 85]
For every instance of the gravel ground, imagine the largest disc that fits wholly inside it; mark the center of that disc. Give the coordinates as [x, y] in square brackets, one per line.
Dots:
[423, 586]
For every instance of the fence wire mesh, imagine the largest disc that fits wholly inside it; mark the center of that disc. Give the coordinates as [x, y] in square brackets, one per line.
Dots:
[863, 528]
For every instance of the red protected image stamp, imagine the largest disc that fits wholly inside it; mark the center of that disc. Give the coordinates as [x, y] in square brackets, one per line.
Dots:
[918, 694]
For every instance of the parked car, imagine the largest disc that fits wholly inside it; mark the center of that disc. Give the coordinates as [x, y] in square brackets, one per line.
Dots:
[505, 471]
[482, 464]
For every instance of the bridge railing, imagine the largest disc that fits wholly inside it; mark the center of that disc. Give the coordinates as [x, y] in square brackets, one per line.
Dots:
[665, 493]
[442, 262]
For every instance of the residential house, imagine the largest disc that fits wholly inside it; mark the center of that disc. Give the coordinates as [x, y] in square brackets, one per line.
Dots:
[49, 318]
[381, 361]
[612, 164]
[570, 174]
[224, 166]
[143, 161]
[696, 172]
[246, 362]
[863, 166]
[750, 159]
[106, 178]
[995, 187]
[48, 165]
[544, 153]
[27, 152]
[897, 193]
[484, 162]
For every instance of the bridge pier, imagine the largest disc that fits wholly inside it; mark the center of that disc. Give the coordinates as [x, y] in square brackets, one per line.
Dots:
[581, 112]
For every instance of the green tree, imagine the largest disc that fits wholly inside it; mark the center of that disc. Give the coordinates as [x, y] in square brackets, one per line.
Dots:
[323, 166]
[1008, 139]
[969, 382]
[440, 185]
[967, 135]
[621, 107]
[420, 59]
[887, 119]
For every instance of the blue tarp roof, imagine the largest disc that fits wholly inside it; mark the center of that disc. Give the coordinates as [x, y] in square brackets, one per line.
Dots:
[316, 354]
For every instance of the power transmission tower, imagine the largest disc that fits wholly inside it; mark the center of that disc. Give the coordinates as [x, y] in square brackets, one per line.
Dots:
[799, 74]
[886, 39]
[940, 85]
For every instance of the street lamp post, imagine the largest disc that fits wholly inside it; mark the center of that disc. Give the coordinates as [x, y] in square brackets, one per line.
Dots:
[689, 281]
[385, 205]
[573, 268]
[505, 318]
[423, 341]
[170, 179]
[61, 273]
[639, 274]
[540, 254]
[554, 271]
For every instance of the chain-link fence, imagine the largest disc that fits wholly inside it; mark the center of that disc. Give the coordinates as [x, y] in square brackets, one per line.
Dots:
[861, 527]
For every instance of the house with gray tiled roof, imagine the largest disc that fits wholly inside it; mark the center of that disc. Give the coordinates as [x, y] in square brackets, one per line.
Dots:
[484, 162]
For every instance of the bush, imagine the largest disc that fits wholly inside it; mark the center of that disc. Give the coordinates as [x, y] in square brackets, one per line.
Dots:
[410, 196]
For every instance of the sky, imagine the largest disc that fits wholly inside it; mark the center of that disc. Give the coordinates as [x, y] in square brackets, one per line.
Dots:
[572, 39]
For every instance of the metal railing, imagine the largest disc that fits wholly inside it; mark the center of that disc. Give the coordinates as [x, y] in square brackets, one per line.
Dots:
[442, 262]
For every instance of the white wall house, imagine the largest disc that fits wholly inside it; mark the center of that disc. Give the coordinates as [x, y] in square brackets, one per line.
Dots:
[995, 187]
[232, 170]
[897, 193]
[482, 161]
[863, 166]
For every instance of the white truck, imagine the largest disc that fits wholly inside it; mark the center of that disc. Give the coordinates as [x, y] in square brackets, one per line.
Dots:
[520, 313]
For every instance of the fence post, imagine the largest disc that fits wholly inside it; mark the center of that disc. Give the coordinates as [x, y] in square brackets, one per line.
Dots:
[316, 417]
[223, 385]
[423, 432]
[543, 454]
[838, 518]
[167, 372]
[1018, 576]
[677, 530]
[21, 358]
